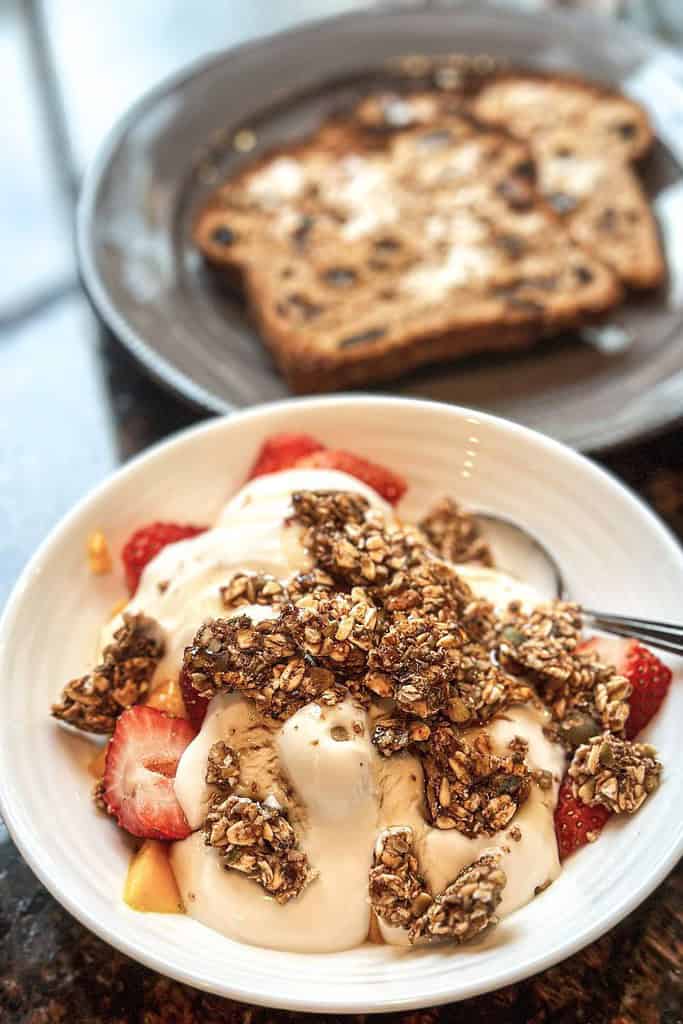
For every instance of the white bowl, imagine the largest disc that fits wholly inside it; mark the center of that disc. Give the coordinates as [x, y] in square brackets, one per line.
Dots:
[616, 556]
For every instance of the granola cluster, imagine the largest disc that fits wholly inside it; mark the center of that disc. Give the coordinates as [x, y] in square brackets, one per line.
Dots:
[455, 534]
[350, 541]
[419, 657]
[430, 588]
[468, 905]
[616, 773]
[398, 893]
[261, 660]
[94, 702]
[253, 588]
[396, 733]
[579, 689]
[253, 837]
[471, 788]
[336, 629]
[223, 766]
[424, 661]
[400, 896]
[315, 584]
[257, 839]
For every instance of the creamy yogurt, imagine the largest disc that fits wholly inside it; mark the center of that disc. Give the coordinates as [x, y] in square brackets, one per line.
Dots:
[498, 587]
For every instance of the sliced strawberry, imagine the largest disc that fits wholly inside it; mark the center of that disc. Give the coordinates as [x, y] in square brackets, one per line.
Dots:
[141, 763]
[576, 824]
[388, 484]
[145, 543]
[649, 677]
[195, 706]
[283, 451]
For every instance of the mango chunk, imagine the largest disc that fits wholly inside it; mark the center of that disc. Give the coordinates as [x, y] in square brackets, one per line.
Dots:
[151, 886]
[99, 556]
[167, 697]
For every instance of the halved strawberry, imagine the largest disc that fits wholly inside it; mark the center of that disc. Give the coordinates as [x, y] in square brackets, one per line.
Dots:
[145, 543]
[283, 451]
[141, 763]
[649, 677]
[195, 706]
[388, 484]
[576, 824]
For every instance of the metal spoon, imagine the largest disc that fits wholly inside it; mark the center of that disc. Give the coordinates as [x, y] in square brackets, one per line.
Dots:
[523, 556]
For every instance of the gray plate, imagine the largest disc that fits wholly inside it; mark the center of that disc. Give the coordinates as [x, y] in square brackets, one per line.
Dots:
[148, 284]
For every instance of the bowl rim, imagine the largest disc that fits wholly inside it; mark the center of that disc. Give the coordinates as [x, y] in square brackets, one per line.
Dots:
[118, 935]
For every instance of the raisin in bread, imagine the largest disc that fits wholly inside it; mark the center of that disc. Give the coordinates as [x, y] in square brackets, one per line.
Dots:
[584, 139]
[366, 252]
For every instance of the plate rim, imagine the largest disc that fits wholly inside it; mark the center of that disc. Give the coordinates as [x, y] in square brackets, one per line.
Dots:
[115, 934]
[664, 414]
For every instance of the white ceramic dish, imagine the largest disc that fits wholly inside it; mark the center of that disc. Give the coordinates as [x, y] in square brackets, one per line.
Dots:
[616, 556]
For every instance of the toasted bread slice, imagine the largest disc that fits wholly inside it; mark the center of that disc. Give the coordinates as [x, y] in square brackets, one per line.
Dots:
[529, 104]
[603, 204]
[361, 263]
[583, 139]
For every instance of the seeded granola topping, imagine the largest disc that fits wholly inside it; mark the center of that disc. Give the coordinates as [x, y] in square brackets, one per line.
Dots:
[400, 897]
[383, 618]
[427, 587]
[480, 689]
[315, 583]
[455, 534]
[261, 660]
[329, 509]
[616, 773]
[574, 684]
[223, 766]
[468, 905]
[336, 629]
[94, 702]
[399, 732]
[350, 541]
[470, 788]
[253, 588]
[420, 655]
[398, 893]
[542, 641]
[257, 839]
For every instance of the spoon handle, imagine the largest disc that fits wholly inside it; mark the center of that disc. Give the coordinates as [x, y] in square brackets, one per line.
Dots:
[667, 636]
